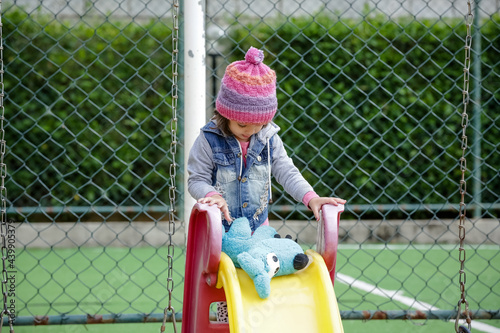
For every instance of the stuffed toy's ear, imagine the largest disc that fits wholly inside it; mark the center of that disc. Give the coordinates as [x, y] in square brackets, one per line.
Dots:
[240, 228]
[237, 239]
[263, 285]
[256, 270]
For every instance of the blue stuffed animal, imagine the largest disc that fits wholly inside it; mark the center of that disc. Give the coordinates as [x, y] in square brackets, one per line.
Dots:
[263, 254]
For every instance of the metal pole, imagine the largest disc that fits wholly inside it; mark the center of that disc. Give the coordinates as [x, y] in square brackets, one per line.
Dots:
[194, 83]
[476, 120]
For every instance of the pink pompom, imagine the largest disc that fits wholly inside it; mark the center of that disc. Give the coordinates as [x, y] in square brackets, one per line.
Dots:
[254, 56]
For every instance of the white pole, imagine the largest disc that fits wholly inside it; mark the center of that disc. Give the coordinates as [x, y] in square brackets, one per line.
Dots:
[194, 83]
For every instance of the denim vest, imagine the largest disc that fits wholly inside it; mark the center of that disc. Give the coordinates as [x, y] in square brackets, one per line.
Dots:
[247, 195]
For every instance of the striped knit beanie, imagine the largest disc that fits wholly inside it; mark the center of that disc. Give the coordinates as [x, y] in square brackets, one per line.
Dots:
[248, 90]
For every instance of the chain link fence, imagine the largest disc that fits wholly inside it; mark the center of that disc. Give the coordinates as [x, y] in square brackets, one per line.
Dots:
[370, 97]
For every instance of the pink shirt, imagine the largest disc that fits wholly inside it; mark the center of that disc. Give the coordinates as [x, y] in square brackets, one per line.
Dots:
[244, 149]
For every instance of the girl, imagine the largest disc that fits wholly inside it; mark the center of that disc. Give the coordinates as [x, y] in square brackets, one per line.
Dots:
[232, 160]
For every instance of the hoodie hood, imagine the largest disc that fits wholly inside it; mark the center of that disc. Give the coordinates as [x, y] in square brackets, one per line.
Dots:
[267, 132]
[263, 136]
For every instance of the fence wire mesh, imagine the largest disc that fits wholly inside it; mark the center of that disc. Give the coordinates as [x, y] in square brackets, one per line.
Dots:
[368, 94]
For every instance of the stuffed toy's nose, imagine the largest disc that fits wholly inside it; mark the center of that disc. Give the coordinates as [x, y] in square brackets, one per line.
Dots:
[300, 261]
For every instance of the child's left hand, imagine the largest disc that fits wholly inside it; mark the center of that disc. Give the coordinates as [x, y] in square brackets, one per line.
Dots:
[316, 203]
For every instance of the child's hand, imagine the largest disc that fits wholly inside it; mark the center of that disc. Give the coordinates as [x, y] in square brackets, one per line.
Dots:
[316, 203]
[220, 202]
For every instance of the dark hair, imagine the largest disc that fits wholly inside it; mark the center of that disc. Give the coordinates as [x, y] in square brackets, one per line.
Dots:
[222, 124]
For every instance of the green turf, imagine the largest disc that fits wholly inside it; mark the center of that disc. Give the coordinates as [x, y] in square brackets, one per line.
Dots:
[350, 326]
[122, 280]
[428, 274]
[95, 280]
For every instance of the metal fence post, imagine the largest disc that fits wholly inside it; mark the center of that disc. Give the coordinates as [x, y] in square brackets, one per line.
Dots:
[195, 83]
[476, 123]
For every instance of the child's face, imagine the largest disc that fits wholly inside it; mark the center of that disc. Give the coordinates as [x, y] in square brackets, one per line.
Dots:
[243, 132]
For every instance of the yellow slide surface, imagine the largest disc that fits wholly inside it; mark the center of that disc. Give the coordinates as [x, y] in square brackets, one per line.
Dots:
[301, 302]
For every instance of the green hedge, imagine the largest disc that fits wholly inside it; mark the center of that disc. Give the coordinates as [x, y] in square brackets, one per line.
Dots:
[88, 110]
[370, 109]
[373, 108]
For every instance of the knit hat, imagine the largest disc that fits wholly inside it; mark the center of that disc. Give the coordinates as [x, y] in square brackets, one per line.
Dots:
[248, 90]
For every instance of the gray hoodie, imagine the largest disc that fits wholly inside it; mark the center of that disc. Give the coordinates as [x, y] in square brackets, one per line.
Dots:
[204, 166]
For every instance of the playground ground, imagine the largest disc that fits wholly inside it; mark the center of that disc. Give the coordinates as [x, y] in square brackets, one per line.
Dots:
[79, 281]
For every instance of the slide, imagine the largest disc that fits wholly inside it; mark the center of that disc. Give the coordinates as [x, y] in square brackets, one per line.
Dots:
[301, 302]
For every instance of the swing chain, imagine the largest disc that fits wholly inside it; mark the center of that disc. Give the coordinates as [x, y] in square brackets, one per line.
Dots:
[173, 166]
[463, 167]
[3, 191]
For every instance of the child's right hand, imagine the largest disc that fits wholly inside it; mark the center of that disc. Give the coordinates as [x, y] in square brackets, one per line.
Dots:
[220, 202]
